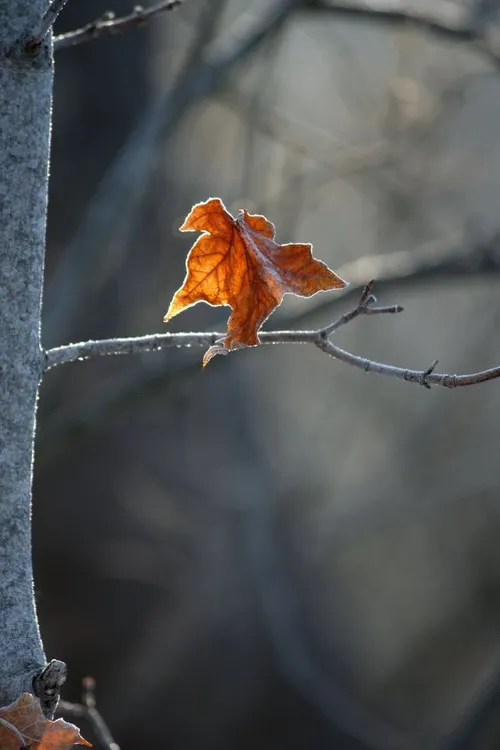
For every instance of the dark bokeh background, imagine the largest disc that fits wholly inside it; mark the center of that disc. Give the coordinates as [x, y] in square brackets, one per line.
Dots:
[279, 551]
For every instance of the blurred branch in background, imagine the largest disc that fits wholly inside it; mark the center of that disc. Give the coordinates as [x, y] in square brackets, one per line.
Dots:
[122, 188]
[302, 139]
[280, 606]
[447, 20]
[454, 258]
[87, 710]
[483, 707]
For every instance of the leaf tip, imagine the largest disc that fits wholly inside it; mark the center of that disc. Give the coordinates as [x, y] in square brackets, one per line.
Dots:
[199, 212]
[174, 308]
[340, 283]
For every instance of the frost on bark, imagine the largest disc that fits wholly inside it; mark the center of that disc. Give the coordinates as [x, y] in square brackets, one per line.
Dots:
[25, 93]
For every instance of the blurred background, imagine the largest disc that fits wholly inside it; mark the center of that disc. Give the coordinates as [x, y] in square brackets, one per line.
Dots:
[280, 551]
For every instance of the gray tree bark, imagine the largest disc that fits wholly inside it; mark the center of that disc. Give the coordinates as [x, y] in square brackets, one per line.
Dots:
[25, 114]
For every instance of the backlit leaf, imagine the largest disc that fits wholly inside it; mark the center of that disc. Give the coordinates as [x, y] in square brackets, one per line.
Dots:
[237, 262]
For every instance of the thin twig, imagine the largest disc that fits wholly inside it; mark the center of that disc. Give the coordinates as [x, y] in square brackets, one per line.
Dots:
[99, 725]
[49, 18]
[109, 25]
[319, 337]
[87, 710]
[364, 307]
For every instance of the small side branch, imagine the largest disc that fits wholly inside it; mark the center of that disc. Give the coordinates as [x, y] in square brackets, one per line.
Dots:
[109, 25]
[47, 685]
[319, 337]
[448, 21]
[87, 710]
[364, 307]
[49, 18]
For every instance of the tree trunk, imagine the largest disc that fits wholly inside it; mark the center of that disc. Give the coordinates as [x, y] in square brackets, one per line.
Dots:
[26, 92]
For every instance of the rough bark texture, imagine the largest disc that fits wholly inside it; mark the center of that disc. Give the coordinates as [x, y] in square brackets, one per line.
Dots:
[26, 90]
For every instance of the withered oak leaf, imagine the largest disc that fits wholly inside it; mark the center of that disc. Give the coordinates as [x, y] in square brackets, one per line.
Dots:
[237, 262]
[22, 724]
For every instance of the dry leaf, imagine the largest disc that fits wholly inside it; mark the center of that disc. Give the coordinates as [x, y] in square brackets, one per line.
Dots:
[22, 723]
[237, 262]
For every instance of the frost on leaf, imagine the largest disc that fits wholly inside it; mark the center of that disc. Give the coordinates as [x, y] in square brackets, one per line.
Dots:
[237, 262]
[23, 725]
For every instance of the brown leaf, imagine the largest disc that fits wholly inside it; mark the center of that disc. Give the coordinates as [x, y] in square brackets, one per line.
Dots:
[237, 262]
[23, 723]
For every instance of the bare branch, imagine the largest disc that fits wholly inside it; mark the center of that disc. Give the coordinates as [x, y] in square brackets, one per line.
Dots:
[364, 307]
[48, 20]
[451, 258]
[87, 710]
[320, 338]
[136, 345]
[448, 21]
[109, 25]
